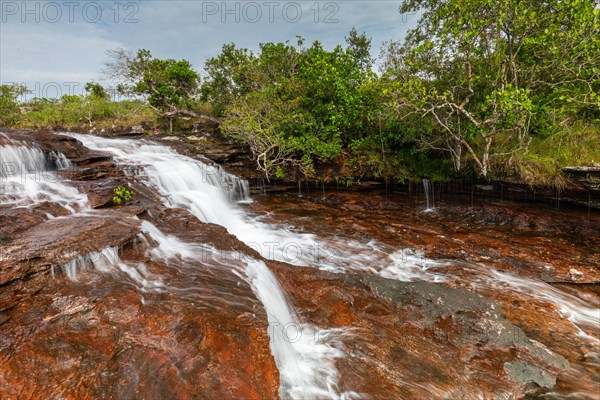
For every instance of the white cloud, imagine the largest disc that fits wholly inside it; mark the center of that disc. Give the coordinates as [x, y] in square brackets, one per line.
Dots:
[75, 51]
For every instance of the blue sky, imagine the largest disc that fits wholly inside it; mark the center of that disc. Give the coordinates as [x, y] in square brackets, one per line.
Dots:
[56, 46]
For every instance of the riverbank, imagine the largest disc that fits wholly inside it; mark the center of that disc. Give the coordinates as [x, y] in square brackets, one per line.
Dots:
[582, 184]
[185, 289]
[565, 168]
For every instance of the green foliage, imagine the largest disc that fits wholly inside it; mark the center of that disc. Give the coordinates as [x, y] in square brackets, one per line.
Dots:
[541, 165]
[121, 195]
[79, 112]
[228, 76]
[360, 46]
[9, 103]
[96, 90]
[170, 87]
[491, 75]
[294, 105]
[346, 181]
[494, 88]
[168, 84]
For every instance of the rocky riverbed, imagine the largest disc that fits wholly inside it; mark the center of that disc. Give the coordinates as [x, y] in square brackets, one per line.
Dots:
[193, 290]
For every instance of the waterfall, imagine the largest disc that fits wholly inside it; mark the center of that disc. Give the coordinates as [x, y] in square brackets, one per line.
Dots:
[304, 354]
[209, 193]
[21, 160]
[307, 367]
[428, 189]
[60, 160]
[28, 176]
[187, 183]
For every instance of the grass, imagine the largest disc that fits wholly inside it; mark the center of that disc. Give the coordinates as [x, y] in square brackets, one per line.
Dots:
[77, 113]
[541, 165]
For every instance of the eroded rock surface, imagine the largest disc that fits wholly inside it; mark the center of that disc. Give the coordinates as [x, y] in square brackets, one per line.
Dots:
[75, 325]
[98, 333]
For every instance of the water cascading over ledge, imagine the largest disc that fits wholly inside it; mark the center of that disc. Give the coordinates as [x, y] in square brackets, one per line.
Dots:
[208, 192]
[189, 189]
[353, 363]
[28, 176]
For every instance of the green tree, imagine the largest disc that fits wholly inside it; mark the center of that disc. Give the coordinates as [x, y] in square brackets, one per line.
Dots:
[169, 86]
[360, 46]
[304, 105]
[481, 71]
[228, 76]
[96, 90]
[9, 102]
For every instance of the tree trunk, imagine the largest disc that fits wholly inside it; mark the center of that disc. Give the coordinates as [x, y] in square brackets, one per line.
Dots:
[485, 158]
[193, 114]
[456, 155]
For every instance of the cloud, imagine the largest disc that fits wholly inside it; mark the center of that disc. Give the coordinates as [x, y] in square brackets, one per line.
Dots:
[73, 48]
[42, 53]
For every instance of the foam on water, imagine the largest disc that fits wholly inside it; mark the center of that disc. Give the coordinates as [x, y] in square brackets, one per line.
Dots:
[27, 177]
[210, 194]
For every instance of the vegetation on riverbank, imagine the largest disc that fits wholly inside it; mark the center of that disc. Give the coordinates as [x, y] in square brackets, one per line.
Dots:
[506, 89]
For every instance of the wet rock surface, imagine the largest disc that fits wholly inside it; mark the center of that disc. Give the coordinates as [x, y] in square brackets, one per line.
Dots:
[100, 334]
[542, 242]
[183, 328]
[424, 340]
[547, 248]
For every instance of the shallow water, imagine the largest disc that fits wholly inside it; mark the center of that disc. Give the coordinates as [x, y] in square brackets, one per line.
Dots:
[403, 244]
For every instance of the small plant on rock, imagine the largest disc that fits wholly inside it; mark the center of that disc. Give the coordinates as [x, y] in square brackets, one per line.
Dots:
[122, 195]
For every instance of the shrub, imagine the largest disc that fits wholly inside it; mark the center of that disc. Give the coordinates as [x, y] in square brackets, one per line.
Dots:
[122, 195]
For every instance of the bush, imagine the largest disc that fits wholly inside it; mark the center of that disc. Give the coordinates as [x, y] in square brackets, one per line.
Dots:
[74, 112]
[9, 103]
[122, 195]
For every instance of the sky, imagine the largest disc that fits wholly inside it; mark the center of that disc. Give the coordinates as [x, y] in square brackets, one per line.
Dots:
[55, 47]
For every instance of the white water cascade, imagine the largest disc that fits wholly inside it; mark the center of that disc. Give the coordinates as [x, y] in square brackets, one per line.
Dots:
[28, 177]
[429, 195]
[304, 354]
[209, 193]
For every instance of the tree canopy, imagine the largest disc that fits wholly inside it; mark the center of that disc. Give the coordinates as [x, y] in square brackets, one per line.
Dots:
[169, 86]
[479, 88]
[292, 104]
[9, 102]
[489, 74]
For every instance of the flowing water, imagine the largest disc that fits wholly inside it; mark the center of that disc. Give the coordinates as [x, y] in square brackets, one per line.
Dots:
[428, 190]
[307, 365]
[28, 176]
[207, 192]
